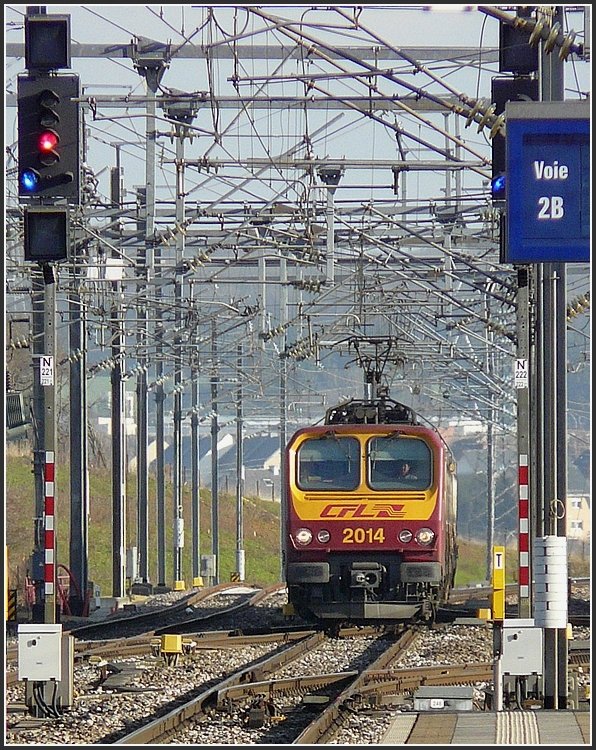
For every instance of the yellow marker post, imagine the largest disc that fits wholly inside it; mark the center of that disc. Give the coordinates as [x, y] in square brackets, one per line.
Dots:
[498, 595]
[498, 608]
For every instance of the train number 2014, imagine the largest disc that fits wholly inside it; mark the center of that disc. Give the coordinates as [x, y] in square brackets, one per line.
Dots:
[362, 536]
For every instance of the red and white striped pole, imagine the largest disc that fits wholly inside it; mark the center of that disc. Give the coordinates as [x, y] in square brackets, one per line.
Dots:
[49, 535]
[524, 530]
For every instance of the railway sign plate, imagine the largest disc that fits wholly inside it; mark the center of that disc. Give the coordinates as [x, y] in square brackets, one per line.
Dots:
[46, 370]
[548, 182]
[521, 373]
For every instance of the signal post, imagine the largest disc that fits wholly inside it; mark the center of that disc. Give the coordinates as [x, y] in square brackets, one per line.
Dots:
[48, 121]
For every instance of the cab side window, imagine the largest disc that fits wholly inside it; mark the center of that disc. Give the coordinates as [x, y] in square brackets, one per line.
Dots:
[399, 464]
[329, 464]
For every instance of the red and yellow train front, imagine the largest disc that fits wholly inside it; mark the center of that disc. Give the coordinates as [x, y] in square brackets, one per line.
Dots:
[365, 521]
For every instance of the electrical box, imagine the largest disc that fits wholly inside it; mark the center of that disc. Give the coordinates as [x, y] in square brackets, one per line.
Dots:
[132, 563]
[40, 651]
[94, 595]
[521, 647]
[59, 694]
[208, 565]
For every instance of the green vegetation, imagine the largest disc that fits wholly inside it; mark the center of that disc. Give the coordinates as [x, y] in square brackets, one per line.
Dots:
[261, 528]
[471, 563]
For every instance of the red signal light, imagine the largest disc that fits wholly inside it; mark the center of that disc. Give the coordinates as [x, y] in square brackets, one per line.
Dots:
[48, 141]
[46, 144]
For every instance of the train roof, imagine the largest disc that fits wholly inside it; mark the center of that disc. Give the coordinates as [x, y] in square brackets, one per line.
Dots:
[376, 411]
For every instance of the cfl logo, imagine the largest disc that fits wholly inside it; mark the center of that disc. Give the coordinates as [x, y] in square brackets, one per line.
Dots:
[362, 510]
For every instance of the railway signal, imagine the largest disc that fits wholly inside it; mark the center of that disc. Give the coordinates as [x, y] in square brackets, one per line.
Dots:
[505, 90]
[48, 136]
[47, 40]
[46, 233]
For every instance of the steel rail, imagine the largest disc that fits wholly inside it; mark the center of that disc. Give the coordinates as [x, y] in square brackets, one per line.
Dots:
[166, 725]
[324, 726]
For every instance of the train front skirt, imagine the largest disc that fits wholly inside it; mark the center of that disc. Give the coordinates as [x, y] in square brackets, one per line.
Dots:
[363, 591]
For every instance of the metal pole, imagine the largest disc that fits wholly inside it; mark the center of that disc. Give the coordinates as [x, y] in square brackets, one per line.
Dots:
[118, 417]
[239, 474]
[214, 473]
[160, 469]
[49, 392]
[282, 466]
[142, 389]
[537, 404]
[37, 558]
[262, 267]
[118, 454]
[561, 479]
[459, 172]
[79, 483]
[448, 176]
[550, 459]
[490, 452]
[283, 410]
[160, 447]
[141, 382]
[194, 465]
[555, 407]
[490, 491]
[330, 267]
[178, 387]
[498, 666]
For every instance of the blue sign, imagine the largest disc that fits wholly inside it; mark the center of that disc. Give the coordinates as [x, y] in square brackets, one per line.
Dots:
[547, 190]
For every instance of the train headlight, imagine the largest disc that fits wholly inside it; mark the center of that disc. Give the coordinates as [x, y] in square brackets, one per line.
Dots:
[304, 536]
[323, 536]
[405, 536]
[425, 536]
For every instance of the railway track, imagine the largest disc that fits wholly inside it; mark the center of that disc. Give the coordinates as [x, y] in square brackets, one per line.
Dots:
[283, 696]
[122, 644]
[181, 617]
[111, 637]
[164, 726]
[254, 695]
[139, 628]
[260, 695]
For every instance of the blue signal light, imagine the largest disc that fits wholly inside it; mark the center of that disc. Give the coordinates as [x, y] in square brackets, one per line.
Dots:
[30, 180]
[497, 187]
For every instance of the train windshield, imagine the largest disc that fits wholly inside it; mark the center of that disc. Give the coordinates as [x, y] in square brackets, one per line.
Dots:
[329, 463]
[399, 464]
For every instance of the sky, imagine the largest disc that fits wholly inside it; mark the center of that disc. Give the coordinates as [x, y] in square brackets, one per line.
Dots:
[335, 134]
[397, 24]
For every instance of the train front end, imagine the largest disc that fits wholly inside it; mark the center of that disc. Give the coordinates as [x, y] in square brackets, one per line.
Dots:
[363, 542]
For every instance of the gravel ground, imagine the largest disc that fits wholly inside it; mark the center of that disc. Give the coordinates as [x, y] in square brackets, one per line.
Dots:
[101, 716]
